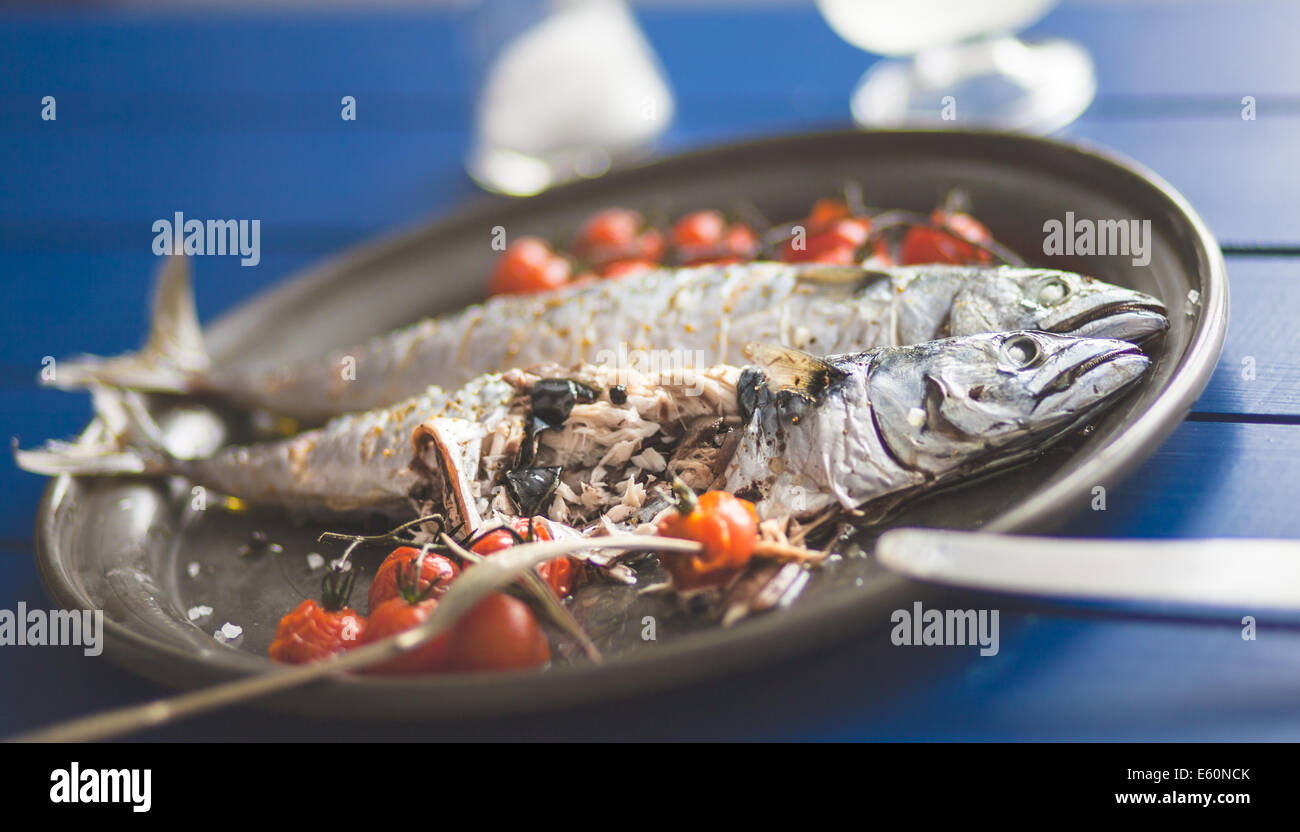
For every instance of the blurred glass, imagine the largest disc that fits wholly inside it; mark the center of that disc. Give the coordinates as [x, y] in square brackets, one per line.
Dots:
[568, 88]
[964, 49]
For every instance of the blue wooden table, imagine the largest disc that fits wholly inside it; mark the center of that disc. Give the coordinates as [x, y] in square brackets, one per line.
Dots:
[224, 115]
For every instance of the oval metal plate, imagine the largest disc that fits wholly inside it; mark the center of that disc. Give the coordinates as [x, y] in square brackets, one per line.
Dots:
[129, 547]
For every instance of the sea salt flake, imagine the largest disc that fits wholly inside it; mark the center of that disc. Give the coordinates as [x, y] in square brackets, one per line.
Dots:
[193, 569]
[228, 633]
[201, 611]
[315, 560]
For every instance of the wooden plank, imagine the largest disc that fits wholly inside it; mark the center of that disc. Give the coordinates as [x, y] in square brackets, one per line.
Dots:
[1240, 175]
[1210, 479]
[1259, 372]
[1060, 675]
[218, 140]
[1201, 48]
[75, 302]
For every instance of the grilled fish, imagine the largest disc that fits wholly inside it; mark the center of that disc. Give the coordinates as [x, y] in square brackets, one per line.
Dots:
[587, 444]
[701, 316]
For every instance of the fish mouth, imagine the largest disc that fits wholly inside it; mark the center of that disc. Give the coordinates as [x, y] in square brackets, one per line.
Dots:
[1133, 320]
[1066, 378]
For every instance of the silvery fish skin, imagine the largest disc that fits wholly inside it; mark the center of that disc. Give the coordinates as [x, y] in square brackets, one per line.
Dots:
[887, 423]
[355, 463]
[694, 317]
[798, 434]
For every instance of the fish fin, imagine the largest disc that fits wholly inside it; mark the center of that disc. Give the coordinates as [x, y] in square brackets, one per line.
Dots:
[789, 369]
[131, 443]
[173, 358]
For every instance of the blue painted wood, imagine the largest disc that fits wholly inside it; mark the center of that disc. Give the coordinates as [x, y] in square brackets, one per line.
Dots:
[1210, 479]
[254, 129]
[1259, 371]
[1239, 175]
[98, 302]
[1186, 54]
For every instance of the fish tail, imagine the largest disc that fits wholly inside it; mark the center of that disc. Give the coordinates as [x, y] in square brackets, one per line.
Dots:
[173, 360]
[129, 442]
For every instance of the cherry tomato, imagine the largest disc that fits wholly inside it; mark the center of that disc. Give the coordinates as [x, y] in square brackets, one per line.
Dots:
[706, 237]
[435, 570]
[618, 234]
[824, 212]
[312, 632]
[946, 242]
[499, 633]
[528, 265]
[741, 241]
[316, 630]
[837, 243]
[614, 229]
[881, 256]
[623, 268]
[651, 246]
[700, 230]
[725, 525]
[559, 573]
[964, 224]
[397, 615]
[498, 539]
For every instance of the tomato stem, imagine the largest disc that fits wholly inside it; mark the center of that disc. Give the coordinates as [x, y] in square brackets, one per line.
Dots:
[336, 586]
[686, 500]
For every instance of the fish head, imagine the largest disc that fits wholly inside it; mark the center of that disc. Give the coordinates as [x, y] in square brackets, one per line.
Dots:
[837, 432]
[964, 403]
[1056, 301]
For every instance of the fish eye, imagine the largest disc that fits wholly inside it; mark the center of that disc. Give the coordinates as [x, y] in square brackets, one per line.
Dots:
[1052, 291]
[1021, 351]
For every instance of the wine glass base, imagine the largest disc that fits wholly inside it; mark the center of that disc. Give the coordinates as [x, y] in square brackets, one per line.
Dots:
[998, 83]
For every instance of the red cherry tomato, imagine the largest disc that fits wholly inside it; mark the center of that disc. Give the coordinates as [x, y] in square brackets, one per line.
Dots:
[559, 573]
[499, 633]
[741, 241]
[964, 224]
[623, 268]
[312, 632]
[839, 243]
[725, 525]
[700, 230]
[706, 237]
[397, 615]
[651, 246]
[880, 254]
[618, 234]
[528, 265]
[947, 241]
[435, 570]
[614, 228]
[824, 213]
